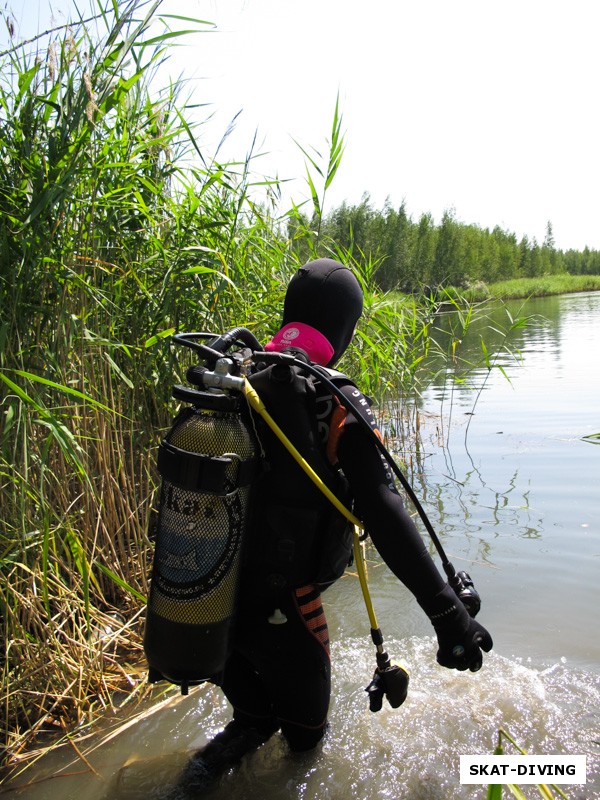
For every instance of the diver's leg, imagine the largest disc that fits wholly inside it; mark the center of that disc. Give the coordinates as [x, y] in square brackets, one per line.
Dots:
[280, 673]
[251, 726]
[281, 679]
[302, 688]
[249, 695]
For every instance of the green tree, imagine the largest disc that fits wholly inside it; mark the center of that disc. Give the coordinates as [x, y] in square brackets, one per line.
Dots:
[397, 235]
[508, 266]
[425, 249]
[447, 268]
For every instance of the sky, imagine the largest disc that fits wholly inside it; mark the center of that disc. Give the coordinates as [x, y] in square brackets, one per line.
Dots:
[485, 108]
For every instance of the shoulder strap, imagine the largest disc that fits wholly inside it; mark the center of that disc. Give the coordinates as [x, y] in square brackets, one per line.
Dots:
[360, 404]
[339, 378]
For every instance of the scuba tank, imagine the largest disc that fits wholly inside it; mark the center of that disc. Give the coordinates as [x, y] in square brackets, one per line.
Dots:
[207, 462]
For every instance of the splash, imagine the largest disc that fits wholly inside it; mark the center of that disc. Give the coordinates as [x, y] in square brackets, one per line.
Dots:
[409, 753]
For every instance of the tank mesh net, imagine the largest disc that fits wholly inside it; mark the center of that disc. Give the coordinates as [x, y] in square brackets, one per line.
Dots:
[197, 556]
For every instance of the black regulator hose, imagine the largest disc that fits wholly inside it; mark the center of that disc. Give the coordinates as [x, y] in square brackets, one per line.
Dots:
[460, 581]
[191, 340]
[448, 567]
[241, 334]
[217, 344]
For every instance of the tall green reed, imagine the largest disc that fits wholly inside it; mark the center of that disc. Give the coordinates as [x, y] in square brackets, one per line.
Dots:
[117, 229]
[393, 335]
[87, 282]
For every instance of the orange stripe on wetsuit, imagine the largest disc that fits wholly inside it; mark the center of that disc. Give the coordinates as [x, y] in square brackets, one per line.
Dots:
[336, 429]
[308, 600]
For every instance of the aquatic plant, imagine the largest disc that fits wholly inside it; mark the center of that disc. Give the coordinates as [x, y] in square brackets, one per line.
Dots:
[523, 288]
[592, 437]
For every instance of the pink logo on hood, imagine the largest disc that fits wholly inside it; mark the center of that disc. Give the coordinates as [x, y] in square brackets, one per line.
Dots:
[298, 334]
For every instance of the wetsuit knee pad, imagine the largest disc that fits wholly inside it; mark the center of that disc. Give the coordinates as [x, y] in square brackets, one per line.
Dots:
[266, 726]
[301, 739]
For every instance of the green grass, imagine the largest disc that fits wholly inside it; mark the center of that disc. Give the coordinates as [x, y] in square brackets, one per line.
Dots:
[522, 288]
[497, 791]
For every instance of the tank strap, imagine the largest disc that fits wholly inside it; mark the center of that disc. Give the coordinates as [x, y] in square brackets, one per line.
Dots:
[195, 471]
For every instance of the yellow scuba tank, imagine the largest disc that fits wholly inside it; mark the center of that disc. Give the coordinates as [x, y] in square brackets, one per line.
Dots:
[206, 462]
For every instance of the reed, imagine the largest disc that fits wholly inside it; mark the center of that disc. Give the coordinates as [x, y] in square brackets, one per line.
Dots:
[117, 229]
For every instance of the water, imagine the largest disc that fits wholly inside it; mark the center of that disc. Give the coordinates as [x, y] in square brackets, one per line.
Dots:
[512, 487]
[520, 495]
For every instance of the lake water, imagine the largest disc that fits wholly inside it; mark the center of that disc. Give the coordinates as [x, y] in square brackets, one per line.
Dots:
[512, 487]
[516, 488]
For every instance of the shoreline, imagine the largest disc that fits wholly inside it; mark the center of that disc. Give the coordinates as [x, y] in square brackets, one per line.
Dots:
[524, 288]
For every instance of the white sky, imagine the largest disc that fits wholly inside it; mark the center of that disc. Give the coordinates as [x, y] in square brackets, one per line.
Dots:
[489, 108]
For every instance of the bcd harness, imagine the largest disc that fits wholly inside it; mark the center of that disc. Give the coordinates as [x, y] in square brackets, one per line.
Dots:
[296, 536]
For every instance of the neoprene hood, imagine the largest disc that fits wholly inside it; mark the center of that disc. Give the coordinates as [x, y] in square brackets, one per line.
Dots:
[327, 296]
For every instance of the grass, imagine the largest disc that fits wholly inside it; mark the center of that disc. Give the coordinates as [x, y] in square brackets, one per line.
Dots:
[496, 791]
[523, 288]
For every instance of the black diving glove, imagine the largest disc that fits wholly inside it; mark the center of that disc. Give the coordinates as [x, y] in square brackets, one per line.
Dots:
[460, 638]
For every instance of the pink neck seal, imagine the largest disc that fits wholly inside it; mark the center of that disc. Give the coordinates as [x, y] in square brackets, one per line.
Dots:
[298, 334]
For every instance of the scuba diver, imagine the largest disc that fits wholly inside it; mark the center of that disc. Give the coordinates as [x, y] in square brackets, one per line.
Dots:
[277, 676]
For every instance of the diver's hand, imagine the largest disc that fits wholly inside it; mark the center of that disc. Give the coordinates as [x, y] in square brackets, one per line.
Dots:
[460, 638]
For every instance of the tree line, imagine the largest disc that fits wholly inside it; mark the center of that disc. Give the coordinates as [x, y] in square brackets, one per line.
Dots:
[411, 254]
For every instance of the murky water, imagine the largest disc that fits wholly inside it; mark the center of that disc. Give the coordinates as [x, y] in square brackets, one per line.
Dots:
[411, 752]
[511, 486]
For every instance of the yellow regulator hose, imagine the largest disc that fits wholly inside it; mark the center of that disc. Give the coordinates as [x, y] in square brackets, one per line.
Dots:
[257, 404]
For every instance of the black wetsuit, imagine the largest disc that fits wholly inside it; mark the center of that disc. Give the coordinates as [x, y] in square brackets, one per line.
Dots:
[279, 673]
